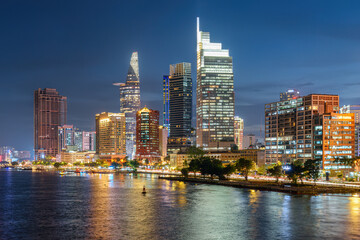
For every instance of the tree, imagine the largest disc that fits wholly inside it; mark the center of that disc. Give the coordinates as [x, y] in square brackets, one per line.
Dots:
[244, 166]
[261, 170]
[229, 169]
[312, 169]
[276, 171]
[351, 162]
[296, 171]
[57, 165]
[194, 165]
[195, 152]
[185, 172]
[115, 165]
[14, 164]
[134, 164]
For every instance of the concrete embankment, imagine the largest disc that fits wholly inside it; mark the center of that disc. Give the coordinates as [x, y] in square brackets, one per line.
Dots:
[270, 186]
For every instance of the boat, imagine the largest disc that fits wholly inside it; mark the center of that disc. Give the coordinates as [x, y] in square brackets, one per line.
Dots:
[77, 170]
[143, 191]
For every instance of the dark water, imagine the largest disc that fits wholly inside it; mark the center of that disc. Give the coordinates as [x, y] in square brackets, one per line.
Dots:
[111, 206]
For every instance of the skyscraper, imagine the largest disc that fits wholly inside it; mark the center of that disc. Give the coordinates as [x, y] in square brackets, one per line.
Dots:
[130, 103]
[238, 132]
[49, 113]
[110, 135]
[147, 135]
[66, 136]
[166, 102]
[88, 141]
[180, 85]
[214, 95]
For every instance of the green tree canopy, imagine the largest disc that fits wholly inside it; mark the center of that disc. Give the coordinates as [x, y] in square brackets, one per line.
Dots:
[244, 166]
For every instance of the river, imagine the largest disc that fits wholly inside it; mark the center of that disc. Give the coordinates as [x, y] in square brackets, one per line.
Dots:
[45, 205]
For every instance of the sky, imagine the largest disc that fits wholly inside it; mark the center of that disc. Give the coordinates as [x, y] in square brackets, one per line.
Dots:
[82, 47]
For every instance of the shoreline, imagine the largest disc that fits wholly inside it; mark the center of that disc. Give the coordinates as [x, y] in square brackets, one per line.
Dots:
[305, 189]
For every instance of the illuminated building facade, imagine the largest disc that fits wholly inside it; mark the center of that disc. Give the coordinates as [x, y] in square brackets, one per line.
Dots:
[238, 131]
[338, 139]
[294, 129]
[166, 102]
[214, 95]
[49, 113]
[130, 103]
[110, 135]
[355, 109]
[147, 135]
[163, 141]
[66, 136]
[88, 141]
[289, 94]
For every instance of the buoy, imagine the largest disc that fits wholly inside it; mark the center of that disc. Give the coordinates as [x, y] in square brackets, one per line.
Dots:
[144, 190]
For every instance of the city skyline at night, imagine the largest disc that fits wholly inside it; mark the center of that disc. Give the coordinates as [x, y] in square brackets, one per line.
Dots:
[315, 53]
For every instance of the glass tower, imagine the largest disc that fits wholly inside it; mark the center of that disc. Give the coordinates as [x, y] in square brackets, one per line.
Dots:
[130, 103]
[214, 95]
[180, 85]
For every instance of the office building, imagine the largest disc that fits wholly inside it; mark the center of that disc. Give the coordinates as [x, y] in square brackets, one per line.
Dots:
[355, 109]
[299, 128]
[249, 141]
[289, 94]
[214, 95]
[66, 137]
[110, 135]
[49, 113]
[163, 141]
[88, 141]
[130, 103]
[166, 102]
[238, 132]
[147, 135]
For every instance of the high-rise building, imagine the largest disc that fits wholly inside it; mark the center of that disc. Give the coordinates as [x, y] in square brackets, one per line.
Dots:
[355, 109]
[130, 103]
[66, 137]
[180, 84]
[147, 135]
[289, 94]
[166, 102]
[49, 113]
[88, 141]
[110, 135]
[163, 140]
[238, 132]
[214, 95]
[300, 128]
[78, 139]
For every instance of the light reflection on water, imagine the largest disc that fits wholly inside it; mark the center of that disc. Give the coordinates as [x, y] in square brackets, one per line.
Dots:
[111, 206]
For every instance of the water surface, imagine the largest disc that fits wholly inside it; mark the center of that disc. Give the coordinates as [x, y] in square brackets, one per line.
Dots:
[43, 205]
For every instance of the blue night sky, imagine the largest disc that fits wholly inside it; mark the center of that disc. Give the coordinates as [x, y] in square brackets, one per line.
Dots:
[82, 47]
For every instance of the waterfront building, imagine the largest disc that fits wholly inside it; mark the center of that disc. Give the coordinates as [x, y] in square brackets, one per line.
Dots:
[355, 109]
[130, 103]
[214, 95]
[49, 113]
[163, 141]
[289, 94]
[180, 160]
[238, 132]
[295, 129]
[147, 135]
[166, 102]
[110, 135]
[65, 136]
[73, 157]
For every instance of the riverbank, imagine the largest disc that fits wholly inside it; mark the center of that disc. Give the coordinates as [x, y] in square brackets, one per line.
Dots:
[270, 186]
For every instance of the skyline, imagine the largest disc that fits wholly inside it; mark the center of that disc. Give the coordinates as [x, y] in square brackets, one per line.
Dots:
[316, 58]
